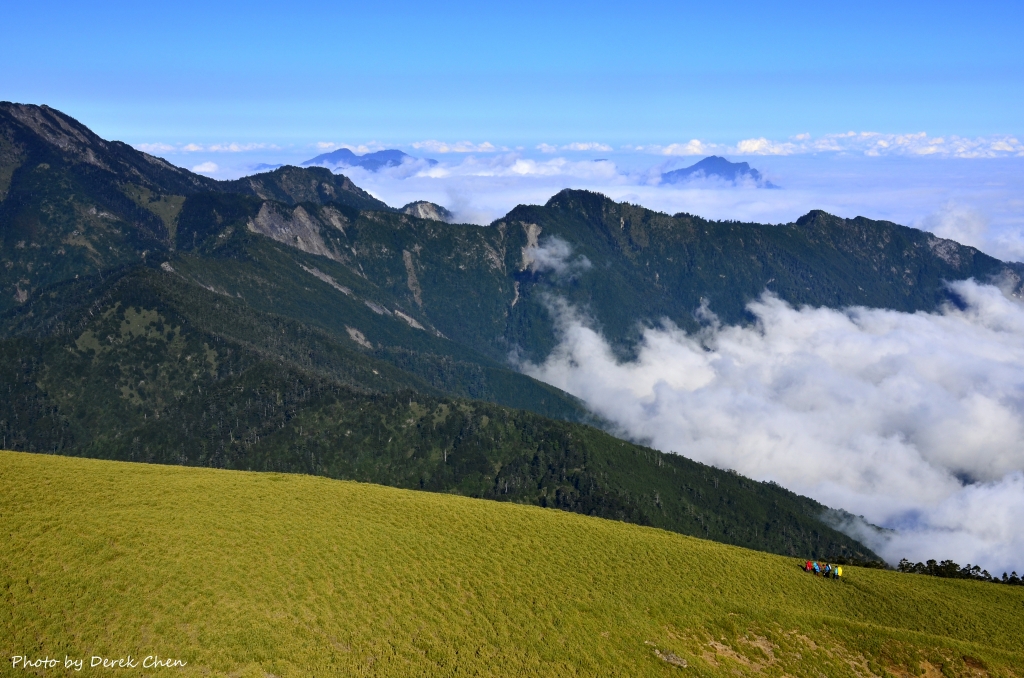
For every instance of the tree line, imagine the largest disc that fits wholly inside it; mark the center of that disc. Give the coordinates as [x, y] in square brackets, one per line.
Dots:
[951, 570]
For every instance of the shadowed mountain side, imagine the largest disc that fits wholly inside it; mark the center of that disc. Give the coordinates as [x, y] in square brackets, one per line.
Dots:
[73, 204]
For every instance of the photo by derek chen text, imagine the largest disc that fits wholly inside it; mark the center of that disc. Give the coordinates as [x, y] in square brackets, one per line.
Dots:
[78, 663]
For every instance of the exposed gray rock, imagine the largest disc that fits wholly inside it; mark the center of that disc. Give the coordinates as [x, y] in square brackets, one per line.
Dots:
[428, 210]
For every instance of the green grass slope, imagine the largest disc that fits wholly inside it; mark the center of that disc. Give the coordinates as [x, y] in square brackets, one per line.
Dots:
[247, 574]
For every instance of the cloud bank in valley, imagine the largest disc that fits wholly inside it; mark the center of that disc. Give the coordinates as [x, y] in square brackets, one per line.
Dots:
[914, 421]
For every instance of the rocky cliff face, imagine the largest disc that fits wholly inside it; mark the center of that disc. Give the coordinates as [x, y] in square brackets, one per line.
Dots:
[428, 210]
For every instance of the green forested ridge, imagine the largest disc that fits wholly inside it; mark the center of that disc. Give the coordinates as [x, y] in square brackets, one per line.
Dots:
[647, 265]
[246, 574]
[289, 321]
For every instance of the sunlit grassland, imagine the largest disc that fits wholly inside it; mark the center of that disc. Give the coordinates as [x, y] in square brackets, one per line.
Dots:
[249, 574]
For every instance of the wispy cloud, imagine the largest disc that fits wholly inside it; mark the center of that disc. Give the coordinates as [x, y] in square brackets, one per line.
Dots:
[865, 143]
[434, 146]
[691, 147]
[576, 146]
[554, 255]
[238, 148]
[369, 147]
[968, 225]
[206, 168]
[231, 147]
[762, 146]
[515, 165]
[587, 146]
[155, 148]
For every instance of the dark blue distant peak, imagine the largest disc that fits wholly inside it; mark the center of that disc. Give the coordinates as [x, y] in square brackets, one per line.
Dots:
[369, 161]
[264, 167]
[719, 167]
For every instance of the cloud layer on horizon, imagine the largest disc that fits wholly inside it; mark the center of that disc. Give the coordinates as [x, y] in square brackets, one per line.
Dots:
[871, 144]
[911, 420]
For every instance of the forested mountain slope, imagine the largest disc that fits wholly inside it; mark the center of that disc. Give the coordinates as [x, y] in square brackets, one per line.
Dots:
[152, 365]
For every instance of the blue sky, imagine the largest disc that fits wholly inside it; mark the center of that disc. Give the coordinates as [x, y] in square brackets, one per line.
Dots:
[907, 111]
[619, 73]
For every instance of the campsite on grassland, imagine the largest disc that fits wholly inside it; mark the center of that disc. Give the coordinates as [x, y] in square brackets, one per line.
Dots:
[258, 574]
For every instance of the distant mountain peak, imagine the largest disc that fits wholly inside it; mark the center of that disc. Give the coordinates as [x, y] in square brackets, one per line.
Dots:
[717, 167]
[372, 162]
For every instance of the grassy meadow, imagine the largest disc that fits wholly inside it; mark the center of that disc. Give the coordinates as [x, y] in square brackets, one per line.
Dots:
[260, 574]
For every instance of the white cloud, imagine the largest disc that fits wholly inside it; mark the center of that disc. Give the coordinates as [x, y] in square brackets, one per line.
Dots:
[155, 148]
[575, 146]
[762, 146]
[238, 148]
[206, 168]
[434, 146]
[692, 147]
[553, 255]
[210, 148]
[587, 146]
[878, 412]
[970, 226]
[515, 165]
[359, 149]
[875, 144]
[871, 144]
[963, 224]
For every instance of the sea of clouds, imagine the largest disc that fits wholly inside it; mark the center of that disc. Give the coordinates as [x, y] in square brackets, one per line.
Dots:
[913, 421]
